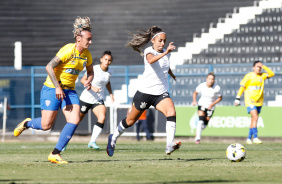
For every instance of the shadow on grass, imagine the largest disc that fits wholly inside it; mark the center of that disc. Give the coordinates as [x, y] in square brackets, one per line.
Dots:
[203, 181]
[142, 160]
[13, 181]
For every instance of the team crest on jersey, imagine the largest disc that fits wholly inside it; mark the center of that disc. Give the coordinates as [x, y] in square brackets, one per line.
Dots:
[47, 102]
[83, 108]
[143, 105]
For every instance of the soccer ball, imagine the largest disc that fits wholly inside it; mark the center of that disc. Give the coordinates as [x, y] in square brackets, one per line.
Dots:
[236, 152]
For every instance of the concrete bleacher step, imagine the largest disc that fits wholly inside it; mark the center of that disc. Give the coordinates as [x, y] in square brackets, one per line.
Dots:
[277, 102]
[52, 20]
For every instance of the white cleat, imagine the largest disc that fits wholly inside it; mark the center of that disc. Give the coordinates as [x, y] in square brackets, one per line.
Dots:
[249, 141]
[257, 141]
[173, 147]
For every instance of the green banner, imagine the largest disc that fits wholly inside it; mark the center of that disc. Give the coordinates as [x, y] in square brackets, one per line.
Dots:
[230, 121]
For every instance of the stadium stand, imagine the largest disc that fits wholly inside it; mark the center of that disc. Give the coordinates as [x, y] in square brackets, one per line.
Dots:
[44, 27]
[260, 39]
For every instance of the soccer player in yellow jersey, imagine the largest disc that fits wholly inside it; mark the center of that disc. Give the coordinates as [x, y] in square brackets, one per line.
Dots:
[58, 89]
[253, 85]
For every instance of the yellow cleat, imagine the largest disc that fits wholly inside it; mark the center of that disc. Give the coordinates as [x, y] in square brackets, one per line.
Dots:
[56, 159]
[257, 141]
[20, 128]
[249, 141]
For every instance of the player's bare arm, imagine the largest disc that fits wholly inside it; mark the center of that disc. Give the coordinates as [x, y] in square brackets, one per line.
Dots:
[194, 98]
[90, 76]
[109, 88]
[215, 102]
[171, 74]
[152, 58]
[93, 88]
[56, 61]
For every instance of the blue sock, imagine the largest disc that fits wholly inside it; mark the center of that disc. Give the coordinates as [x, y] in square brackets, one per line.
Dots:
[250, 133]
[35, 124]
[255, 132]
[65, 136]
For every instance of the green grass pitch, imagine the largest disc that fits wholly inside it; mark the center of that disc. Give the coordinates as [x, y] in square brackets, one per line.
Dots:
[139, 162]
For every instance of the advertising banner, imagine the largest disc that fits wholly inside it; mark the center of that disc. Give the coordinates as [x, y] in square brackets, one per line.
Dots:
[230, 121]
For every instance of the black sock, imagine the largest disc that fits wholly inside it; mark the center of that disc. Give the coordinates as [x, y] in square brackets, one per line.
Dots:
[56, 151]
[25, 124]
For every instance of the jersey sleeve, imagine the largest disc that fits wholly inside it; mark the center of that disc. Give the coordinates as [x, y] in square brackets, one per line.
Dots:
[245, 80]
[218, 93]
[264, 76]
[110, 73]
[89, 59]
[198, 88]
[148, 51]
[65, 53]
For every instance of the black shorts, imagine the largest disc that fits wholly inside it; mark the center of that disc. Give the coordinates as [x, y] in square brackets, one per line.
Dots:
[84, 107]
[209, 113]
[142, 101]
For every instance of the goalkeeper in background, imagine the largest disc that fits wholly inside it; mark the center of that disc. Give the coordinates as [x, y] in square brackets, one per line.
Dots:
[253, 85]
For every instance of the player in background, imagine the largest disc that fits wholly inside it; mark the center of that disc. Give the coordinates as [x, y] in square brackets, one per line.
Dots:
[210, 96]
[153, 87]
[94, 98]
[253, 86]
[58, 89]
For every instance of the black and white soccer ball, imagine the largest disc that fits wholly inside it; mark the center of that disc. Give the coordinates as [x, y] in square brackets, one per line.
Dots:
[236, 152]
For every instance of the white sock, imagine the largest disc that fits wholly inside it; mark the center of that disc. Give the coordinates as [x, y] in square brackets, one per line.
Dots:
[95, 133]
[200, 127]
[170, 132]
[118, 131]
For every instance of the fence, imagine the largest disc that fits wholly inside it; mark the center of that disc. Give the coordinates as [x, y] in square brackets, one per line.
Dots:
[22, 88]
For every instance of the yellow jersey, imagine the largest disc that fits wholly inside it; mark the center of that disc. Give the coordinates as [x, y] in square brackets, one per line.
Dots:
[72, 64]
[254, 86]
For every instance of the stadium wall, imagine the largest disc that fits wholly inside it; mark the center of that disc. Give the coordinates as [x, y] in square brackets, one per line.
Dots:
[22, 88]
[229, 121]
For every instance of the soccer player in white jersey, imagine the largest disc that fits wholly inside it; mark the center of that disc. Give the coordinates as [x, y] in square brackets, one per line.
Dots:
[94, 98]
[153, 87]
[210, 95]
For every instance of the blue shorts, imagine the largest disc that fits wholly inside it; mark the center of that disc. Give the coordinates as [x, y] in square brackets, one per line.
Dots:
[48, 100]
[252, 107]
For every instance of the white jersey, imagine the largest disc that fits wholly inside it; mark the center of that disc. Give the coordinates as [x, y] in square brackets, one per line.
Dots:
[208, 94]
[101, 79]
[154, 80]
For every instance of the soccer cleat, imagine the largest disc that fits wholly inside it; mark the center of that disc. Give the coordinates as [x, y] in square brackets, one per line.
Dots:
[20, 127]
[197, 141]
[257, 141]
[249, 141]
[93, 145]
[56, 159]
[173, 147]
[111, 146]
